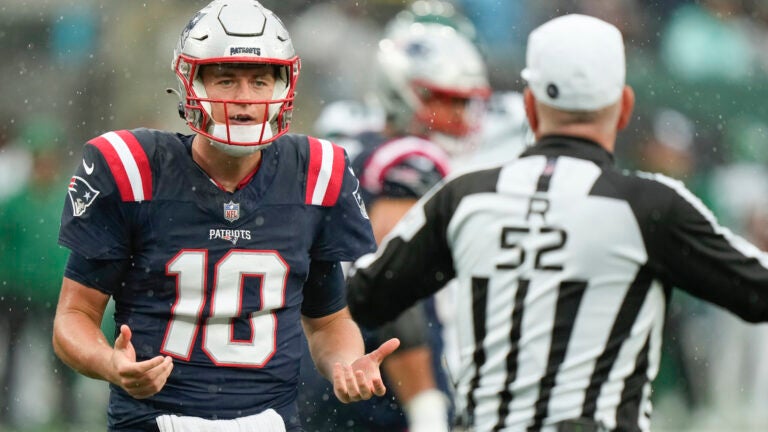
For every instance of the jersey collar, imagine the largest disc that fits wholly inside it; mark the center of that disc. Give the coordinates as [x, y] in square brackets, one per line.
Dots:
[561, 145]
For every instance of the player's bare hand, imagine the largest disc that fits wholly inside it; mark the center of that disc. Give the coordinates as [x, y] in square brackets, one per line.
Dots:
[362, 379]
[140, 379]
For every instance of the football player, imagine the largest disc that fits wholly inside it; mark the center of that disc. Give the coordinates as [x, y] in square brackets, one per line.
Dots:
[433, 105]
[217, 247]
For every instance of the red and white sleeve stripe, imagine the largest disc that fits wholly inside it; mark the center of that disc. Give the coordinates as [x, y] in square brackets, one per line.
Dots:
[325, 174]
[128, 163]
[394, 152]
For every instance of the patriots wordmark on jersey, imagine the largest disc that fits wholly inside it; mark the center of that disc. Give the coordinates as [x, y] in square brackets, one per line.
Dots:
[212, 278]
[563, 266]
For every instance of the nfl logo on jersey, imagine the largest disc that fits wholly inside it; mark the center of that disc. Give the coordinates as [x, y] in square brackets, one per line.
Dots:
[231, 211]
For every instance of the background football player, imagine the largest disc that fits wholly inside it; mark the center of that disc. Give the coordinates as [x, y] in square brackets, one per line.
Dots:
[432, 84]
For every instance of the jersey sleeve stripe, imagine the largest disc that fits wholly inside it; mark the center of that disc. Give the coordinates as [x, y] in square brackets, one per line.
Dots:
[129, 173]
[394, 153]
[336, 178]
[142, 162]
[315, 163]
[115, 166]
[325, 174]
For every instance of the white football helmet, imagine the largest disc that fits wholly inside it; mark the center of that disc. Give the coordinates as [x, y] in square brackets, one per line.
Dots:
[432, 12]
[420, 61]
[348, 118]
[236, 32]
[505, 132]
[343, 121]
[505, 123]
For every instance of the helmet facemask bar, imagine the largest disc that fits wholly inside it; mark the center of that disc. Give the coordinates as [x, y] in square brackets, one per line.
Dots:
[198, 107]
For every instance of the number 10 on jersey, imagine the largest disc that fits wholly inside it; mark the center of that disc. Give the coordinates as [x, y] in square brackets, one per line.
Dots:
[226, 301]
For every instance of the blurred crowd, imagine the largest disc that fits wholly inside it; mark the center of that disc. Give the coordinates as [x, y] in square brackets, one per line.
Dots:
[699, 68]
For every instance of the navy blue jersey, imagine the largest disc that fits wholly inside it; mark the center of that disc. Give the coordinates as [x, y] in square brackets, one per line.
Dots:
[404, 167]
[214, 279]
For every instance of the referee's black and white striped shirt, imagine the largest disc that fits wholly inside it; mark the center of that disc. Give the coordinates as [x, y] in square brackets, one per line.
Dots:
[564, 266]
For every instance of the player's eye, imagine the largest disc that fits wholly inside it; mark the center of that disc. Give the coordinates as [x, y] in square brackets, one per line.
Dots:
[262, 81]
[225, 82]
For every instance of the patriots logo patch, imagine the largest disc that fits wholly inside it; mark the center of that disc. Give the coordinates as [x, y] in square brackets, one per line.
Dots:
[417, 49]
[192, 23]
[81, 195]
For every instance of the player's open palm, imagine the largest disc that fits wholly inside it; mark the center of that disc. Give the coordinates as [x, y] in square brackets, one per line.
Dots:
[362, 379]
[140, 379]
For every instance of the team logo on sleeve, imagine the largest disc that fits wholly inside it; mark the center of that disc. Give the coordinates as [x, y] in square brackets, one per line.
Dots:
[81, 195]
[231, 211]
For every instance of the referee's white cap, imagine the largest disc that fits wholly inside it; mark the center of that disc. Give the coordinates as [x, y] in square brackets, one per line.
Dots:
[576, 63]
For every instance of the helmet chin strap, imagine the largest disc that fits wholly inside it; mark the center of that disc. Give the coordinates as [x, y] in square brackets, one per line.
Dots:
[240, 134]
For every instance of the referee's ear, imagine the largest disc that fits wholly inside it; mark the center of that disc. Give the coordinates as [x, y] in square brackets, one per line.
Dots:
[627, 106]
[529, 101]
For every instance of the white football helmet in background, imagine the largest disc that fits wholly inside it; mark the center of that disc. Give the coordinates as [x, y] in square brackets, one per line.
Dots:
[348, 118]
[343, 121]
[505, 132]
[424, 60]
[432, 12]
[236, 32]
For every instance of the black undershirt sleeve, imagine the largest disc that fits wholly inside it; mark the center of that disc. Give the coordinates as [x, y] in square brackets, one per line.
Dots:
[103, 275]
[324, 289]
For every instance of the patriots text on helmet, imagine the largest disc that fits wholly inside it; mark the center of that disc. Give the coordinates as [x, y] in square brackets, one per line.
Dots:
[245, 50]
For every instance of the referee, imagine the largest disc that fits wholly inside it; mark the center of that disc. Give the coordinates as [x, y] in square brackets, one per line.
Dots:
[564, 263]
